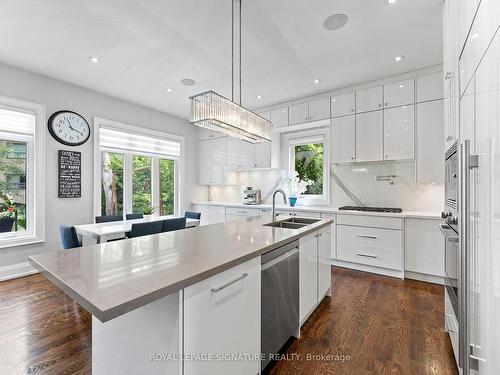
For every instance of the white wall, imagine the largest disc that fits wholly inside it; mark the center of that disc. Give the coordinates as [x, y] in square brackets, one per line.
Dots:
[57, 95]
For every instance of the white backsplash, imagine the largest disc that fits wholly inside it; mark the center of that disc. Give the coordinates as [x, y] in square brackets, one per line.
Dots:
[359, 178]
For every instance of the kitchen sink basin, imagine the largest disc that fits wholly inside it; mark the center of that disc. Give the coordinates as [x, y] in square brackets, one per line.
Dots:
[285, 224]
[302, 220]
[293, 223]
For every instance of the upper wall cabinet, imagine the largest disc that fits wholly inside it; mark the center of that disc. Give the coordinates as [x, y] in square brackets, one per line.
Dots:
[369, 99]
[299, 113]
[311, 111]
[399, 93]
[430, 142]
[399, 133]
[430, 87]
[344, 139]
[343, 104]
[319, 109]
[279, 117]
[212, 154]
[369, 134]
[262, 155]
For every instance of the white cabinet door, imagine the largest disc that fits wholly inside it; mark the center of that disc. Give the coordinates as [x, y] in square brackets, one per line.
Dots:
[399, 133]
[343, 104]
[319, 109]
[430, 87]
[205, 162]
[233, 153]
[299, 113]
[262, 155]
[222, 315]
[219, 155]
[369, 134]
[279, 117]
[424, 247]
[343, 139]
[246, 155]
[399, 93]
[369, 99]
[324, 260]
[308, 275]
[430, 142]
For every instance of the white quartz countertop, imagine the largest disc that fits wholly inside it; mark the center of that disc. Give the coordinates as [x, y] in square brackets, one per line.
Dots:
[113, 278]
[326, 209]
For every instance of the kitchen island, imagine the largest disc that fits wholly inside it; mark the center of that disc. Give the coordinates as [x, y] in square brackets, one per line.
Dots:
[183, 302]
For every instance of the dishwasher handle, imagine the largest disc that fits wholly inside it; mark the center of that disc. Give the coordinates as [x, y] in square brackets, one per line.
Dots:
[276, 260]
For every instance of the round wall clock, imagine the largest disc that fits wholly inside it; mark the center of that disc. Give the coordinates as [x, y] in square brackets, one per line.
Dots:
[69, 128]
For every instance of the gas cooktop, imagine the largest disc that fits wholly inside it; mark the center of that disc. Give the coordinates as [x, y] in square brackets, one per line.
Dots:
[372, 209]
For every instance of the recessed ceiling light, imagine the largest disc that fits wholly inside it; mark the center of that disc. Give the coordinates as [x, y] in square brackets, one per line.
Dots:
[334, 100]
[401, 86]
[169, 89]
[94, 59]
[399, 58]
[188, 82]
[474, 36]
[259, 96]
[390, 1]
[317, 80]
[335, 22]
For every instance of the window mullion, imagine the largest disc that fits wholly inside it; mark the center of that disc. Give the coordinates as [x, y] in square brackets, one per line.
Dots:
[155, 184]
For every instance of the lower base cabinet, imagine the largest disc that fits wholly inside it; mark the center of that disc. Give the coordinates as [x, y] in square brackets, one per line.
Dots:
[222, 316]
[314, 270]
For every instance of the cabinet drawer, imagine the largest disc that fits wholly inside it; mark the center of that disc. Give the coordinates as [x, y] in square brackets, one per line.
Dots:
[235, 211]
[371, 221]
[222, 315]
[371, 246]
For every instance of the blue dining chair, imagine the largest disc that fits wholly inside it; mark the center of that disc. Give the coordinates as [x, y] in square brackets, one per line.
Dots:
[177, 223]
[192, 215]
[69, 237]
[145, 229]
[108, 218]
[134, 216]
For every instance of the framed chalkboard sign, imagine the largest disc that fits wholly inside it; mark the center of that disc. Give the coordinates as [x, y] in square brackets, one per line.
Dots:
[70, 174]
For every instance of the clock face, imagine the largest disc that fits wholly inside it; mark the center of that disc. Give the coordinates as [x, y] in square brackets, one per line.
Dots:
[69, 128]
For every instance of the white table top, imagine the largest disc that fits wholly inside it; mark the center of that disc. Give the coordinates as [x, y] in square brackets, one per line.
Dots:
[118, 227]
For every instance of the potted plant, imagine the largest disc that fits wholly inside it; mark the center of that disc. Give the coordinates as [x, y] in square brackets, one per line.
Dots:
[148, 212]
[293, 186]
[7, 212]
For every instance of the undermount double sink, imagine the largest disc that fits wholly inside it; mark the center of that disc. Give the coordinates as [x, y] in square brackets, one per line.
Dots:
[293, 223]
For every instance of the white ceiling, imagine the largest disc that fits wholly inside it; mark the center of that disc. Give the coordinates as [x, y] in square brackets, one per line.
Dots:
[145, 46]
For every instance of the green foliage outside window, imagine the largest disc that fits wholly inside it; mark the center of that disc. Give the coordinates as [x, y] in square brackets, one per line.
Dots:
[309, 166]
[112, 184]
[167, 171]
[141, 183]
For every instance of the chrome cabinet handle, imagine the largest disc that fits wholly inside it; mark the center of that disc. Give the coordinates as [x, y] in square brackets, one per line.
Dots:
[219, 288]
[366, 255]
[366, 236]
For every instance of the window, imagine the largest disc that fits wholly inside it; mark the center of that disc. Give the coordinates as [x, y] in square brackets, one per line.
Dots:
[141, 183]
[138, 169]
[21, 188]
[307, 153]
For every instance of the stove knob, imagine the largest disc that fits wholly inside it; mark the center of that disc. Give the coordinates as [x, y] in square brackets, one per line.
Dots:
[445, 215]
[453, 220]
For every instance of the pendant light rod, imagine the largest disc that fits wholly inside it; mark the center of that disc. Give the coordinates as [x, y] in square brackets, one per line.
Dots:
[236, 51]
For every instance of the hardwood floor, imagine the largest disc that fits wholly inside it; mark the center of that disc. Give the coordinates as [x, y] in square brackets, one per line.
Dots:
[384, 325]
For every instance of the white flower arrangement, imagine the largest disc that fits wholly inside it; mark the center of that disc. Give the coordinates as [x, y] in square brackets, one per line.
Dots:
[293, 185]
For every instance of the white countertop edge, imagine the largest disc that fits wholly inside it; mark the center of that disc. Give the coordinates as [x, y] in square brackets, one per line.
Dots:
[322, 209]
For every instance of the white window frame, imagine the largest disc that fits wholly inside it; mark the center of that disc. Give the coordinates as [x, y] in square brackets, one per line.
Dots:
[317, 135]
[179, 170]
[35, 178]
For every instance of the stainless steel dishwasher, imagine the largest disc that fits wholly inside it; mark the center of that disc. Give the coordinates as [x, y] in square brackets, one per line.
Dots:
[280, 298]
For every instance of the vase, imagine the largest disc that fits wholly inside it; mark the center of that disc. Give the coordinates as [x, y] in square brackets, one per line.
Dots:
[148, 217]
[6, 224]
[292, 201]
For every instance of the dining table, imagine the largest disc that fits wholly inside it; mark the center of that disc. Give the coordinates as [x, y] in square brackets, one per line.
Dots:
[90, 234]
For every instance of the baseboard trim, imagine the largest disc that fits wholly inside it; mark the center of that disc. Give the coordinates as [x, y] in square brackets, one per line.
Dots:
[14, 271]
[424, 277]
[370, 269]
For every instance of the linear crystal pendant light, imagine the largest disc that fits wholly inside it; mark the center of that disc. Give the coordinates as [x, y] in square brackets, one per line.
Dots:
[215, 112]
